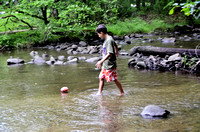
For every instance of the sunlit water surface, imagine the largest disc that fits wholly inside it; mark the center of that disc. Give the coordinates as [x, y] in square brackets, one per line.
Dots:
[30, 98]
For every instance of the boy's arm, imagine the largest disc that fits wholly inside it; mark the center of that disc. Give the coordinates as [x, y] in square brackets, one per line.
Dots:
[116, 49]
[98, 65]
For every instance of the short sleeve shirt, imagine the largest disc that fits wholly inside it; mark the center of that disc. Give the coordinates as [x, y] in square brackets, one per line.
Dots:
[108, 47]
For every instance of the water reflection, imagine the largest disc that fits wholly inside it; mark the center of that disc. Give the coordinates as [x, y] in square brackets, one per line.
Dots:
[110, 113]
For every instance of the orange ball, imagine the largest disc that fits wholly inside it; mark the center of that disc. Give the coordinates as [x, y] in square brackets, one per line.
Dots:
[64, 89]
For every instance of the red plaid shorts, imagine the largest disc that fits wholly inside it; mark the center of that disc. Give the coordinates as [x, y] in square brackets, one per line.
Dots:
[109, 75]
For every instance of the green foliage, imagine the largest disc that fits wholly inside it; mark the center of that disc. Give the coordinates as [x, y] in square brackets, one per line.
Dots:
[160, 6]
[55, 19]
[187, 61]
[77, 14]
[189, 8]
[6, 40]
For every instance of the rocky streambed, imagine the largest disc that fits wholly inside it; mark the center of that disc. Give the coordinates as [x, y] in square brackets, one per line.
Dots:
[174, 62]
[154, 61]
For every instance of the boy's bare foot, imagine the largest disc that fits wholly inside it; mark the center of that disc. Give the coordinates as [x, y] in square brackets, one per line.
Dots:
[99, 94]
[122, 94]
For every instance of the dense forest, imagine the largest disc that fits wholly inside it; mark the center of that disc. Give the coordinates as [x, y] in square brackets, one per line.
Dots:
[26, 22]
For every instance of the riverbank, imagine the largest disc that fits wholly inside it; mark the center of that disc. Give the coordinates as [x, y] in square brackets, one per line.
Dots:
[45, 35]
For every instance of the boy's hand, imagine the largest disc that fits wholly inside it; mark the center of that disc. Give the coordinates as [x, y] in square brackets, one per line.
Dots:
[117, 54]
[98, 64]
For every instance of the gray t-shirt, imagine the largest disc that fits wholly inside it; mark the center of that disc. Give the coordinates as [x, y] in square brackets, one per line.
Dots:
[108, 47]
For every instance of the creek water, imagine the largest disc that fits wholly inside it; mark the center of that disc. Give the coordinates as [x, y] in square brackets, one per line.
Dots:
[30, 98]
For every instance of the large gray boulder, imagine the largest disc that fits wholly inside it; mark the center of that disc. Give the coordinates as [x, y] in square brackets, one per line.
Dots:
[14, 61]
[82, 44]
[175, 57]
[153, 111]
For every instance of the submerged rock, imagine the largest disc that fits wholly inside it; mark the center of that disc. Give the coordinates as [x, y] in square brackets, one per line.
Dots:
[45, 56]
[82, 58]
[122, 43]
[58, 62]
[51, 61]
[94, 59]
[61, 57]
[123, 53]
[168, 40]
[71, 57]
[141, 64]
[138, 36]
[15, 61]
[33, 53]
[70, 51]
[153, 111]
[38, 60]
[74, 60]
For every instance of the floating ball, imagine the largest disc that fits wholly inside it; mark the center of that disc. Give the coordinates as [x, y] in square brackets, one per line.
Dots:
[64, 89]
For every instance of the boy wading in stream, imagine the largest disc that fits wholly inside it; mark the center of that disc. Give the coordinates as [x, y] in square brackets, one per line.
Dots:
[109, 52]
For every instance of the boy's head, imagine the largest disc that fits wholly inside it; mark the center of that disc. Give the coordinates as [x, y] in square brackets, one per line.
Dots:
[101, 30]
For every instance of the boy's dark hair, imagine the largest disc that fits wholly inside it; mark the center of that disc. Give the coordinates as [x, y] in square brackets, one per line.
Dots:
[101, 28]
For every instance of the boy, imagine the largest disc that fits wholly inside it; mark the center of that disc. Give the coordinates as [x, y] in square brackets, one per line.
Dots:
[108, 70]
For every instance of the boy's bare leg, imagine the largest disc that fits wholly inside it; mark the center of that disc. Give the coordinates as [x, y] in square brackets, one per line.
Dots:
[101, 85]
[119, 86]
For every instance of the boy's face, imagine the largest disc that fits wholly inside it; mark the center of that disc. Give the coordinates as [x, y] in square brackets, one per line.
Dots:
[101, 35]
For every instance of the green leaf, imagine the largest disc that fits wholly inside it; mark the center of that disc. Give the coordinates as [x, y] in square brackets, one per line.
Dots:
[172, 11]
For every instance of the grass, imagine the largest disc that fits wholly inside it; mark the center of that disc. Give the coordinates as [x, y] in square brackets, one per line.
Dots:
[138, 25]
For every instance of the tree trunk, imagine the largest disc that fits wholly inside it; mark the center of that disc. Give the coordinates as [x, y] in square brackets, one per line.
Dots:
[44, 14]
[143, 3]
[138, 4]
[54, 11]
[150, 50]
[153, 2]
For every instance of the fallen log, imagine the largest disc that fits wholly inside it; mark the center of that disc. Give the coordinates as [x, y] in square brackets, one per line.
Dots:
[151, 50]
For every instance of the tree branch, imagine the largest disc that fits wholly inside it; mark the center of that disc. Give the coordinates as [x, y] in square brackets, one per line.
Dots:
[30, 14]
[18, 20]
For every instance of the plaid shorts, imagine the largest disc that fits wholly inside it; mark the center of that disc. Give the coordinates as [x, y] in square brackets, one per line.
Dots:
[109, 75]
